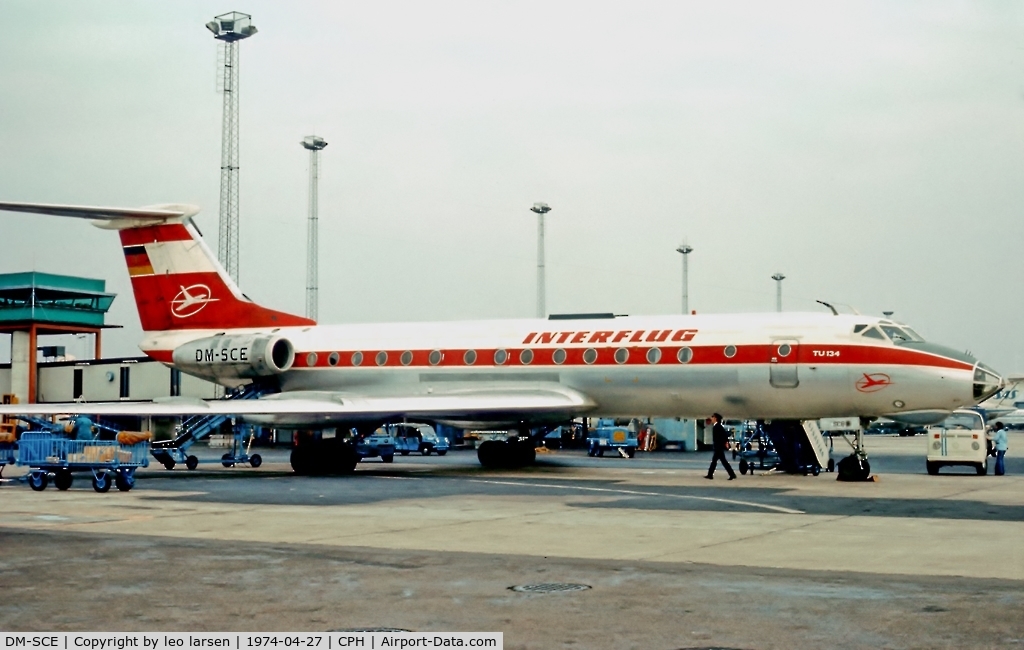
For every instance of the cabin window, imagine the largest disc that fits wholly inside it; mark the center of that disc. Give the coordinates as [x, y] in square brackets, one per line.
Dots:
[406, 358]
[589, 356]
[559, 356]
[857, 329]
[382, 358]
[333, 359]
[622, 355]
[654, 355]
[435, 357]
[730, 351]
[470, 357]
[357, 358]
[311, 359]
[526, 357]
[500, 357]
[897, 335]
[685, 355]
[785, 349]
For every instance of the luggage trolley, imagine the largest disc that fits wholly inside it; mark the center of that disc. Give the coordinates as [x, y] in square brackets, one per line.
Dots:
[111, 462]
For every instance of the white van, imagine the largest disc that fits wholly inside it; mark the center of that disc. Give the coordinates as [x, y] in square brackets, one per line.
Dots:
[958, 440]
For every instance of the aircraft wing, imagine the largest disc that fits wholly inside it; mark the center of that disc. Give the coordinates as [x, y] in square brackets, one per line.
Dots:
[309, 408]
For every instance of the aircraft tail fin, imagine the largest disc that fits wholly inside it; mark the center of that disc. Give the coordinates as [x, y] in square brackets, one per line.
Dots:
[177, 281]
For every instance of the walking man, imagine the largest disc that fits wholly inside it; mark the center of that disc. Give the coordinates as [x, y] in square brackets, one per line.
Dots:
[720, 443]
[999, 440]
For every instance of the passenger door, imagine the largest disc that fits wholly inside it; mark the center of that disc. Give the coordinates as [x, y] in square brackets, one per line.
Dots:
[782, 367]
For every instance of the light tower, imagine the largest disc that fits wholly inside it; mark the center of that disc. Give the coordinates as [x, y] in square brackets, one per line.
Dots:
[778, 277]
[541, 209]
[315, 144]
[229, 28]
[685, 251]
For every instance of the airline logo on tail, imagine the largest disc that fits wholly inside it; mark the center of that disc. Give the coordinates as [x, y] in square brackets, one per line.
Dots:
[191, 300]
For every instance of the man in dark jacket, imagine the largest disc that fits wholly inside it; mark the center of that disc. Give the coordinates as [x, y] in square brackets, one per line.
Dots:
[720, 443]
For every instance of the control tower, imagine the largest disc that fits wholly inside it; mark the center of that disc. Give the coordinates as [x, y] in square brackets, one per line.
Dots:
[37, 304]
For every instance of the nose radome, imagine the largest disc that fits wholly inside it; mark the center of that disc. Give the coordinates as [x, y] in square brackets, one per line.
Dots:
[987, 382]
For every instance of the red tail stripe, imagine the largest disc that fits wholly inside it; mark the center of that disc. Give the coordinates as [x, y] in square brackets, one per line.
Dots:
[149, 234]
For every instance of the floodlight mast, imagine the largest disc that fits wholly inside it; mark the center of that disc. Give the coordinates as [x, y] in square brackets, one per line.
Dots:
[541, 209]
[229, 29]
[685, 251]
[778, 277]
[315, 145]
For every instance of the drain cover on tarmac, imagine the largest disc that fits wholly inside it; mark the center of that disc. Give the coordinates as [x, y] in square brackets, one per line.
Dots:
[550, 588]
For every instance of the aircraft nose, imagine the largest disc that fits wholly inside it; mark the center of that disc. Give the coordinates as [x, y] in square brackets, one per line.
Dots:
[987, 382]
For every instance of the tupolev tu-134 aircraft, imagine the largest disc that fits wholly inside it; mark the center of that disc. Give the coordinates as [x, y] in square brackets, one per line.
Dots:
[525, 375]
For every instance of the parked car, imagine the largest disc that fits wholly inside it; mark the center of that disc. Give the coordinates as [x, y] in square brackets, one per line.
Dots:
[418, 438]
[378, 444]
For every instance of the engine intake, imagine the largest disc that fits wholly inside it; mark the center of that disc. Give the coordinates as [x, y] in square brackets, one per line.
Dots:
[243, 356]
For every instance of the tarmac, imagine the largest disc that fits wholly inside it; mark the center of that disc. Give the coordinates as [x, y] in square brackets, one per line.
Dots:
[662, 557]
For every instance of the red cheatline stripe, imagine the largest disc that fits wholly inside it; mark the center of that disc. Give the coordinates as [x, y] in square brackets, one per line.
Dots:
[605, 356]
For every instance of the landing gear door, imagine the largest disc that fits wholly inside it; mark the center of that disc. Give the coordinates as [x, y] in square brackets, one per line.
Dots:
[782, 367]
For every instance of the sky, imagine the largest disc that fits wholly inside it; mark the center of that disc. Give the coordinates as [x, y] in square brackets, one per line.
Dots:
[870, 151]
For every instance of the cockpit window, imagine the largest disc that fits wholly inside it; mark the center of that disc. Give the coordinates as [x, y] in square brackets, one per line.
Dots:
[914, 336]
[899, 335]
[857, 329]
[873, 333]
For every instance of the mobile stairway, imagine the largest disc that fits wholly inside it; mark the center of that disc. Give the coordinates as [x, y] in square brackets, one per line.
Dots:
[799, 447]
[171, 452]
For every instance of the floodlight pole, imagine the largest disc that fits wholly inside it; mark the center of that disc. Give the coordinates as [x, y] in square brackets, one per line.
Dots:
[541, 209]
[315, 145]
[778, 277]
[685, 251]
[229, 29]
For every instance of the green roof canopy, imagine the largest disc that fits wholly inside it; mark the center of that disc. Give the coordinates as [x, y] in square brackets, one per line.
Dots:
[48, 298]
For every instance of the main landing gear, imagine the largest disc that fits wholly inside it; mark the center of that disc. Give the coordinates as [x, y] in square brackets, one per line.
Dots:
[316, 456]
[517, 451]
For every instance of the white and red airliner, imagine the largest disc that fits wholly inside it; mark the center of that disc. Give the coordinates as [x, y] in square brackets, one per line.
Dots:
[521, 374]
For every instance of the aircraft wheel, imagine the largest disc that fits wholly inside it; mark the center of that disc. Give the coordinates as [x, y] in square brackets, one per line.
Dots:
[124, 481]
[526, 454]
[491, 453]
[865, 470]
[191, 462]
[38, 481]
[101, 482]
[390, 458]
[933, 468]
[225, 462]
[743, 465]
[63, 480]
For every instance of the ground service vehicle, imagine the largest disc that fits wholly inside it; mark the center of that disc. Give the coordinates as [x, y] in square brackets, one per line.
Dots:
[609, 436]
[418, 439]
[958, 440]
[378, 444]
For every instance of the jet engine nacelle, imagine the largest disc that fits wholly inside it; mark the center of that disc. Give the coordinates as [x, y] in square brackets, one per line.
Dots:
[238, 356]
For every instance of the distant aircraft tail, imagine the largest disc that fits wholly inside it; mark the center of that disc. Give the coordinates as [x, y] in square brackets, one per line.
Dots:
[177, 281]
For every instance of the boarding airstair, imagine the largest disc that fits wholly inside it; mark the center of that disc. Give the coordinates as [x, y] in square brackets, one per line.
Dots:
[171, 452]
[801, 447]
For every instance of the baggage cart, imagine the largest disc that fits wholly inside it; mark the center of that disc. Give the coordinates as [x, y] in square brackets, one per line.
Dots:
[110, 462]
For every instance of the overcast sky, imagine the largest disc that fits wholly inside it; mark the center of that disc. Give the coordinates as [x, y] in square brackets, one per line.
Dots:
[872, 152]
